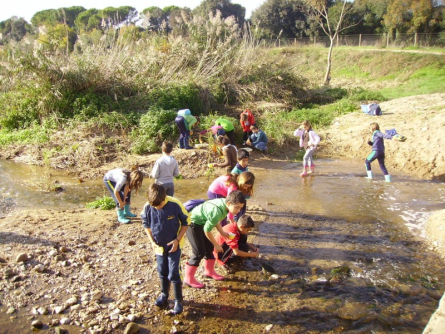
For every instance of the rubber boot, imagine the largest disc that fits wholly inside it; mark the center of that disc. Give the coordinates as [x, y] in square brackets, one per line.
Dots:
[179, 301]
[127, 211]
[181, 143]
[388, 178]
[190, 279]
[304, 172]
[186, 143]
[162, 300]
[369, 172]
[311, 169]
[121, 217]
[209, 270]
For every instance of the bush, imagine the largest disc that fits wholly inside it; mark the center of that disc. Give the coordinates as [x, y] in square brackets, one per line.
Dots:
[155, 126]
[103, 203]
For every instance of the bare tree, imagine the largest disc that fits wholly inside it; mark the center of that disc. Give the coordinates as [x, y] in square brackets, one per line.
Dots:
[332, 20]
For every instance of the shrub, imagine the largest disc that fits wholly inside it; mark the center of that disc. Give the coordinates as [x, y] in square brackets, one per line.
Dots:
[103, 203]
[154, 127]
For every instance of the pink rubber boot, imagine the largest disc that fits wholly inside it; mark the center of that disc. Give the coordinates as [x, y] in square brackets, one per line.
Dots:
[209, 270]
[190, 279]
[311, 170]
[304, 172]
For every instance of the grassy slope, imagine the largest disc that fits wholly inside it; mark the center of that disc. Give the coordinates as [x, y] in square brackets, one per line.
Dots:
[410, 72]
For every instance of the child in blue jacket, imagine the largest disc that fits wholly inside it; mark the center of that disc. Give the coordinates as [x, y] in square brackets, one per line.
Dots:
[165, 221]
[378, 151]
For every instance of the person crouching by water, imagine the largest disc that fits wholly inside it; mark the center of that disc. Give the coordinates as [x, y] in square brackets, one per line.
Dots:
[204, 218]
[120, 183]
[165, 221]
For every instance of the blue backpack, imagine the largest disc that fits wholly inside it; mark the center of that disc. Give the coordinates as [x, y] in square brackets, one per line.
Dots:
[191, 204]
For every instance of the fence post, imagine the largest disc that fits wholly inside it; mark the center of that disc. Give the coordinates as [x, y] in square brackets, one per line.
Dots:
[279, 42]
[387, 40]
[415, 39]
[315, 40]
[360, 40]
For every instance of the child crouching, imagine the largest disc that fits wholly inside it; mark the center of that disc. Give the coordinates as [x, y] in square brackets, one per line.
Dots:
[236, 245]
[165, 221]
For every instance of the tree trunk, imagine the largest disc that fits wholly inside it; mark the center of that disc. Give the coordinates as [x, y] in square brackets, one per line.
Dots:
[327, 76]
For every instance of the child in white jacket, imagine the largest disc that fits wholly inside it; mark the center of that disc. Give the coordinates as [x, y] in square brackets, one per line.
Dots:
[309, 140]
[165, 169]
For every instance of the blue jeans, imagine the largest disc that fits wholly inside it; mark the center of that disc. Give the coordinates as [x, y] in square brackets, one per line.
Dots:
[169, 265]
[110, 185]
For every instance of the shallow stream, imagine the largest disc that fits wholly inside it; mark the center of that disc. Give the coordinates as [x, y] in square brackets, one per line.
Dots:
[348, 252]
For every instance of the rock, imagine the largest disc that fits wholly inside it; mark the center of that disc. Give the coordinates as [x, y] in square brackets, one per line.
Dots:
[42, 310]
[10, 310]
[37, 324]
[71, 301]
[96, 295]
[131, 243]
[8, 272]
[40, 268]
[59, 330]
[268, 328]
[131, 328]
[54, 322]
[63, 249]
[59, 309]
[22, 257]
[65, 321]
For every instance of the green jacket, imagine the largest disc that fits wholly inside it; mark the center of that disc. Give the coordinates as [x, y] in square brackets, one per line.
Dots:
[189, 121]
[209, 213]
[225, 123]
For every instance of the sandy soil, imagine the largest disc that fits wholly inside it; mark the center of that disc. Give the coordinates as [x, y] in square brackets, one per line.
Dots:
[419, 118]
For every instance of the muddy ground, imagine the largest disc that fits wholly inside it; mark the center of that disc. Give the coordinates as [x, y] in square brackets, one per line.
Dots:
[82, 270]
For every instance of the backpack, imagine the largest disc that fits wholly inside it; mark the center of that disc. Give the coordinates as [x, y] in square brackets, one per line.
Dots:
[193, 203]
[184, 112]
[374, 110]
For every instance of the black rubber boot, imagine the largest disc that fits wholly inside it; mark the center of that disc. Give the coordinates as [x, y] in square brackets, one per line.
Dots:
[162, 300]
[179, 302]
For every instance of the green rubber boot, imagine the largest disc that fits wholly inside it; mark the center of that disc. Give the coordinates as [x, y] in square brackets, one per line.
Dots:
[127, 212]
[121, 216]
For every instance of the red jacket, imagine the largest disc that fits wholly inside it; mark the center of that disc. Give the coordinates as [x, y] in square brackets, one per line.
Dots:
[250, 121]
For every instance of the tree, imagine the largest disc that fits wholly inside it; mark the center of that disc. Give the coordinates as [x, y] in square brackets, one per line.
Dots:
[422, 11]
[332, 20]
[226, 7]
[117, 16]
[280, 17]
[372, 12]
[88, 20]
[397, 16]
[15, 28]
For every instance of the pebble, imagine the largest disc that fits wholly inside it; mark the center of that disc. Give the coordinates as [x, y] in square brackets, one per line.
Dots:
[131, 328]
[71, 301]
[22, 257]
[40, 268]
[10, 310]
[37, 324]
[65, 321]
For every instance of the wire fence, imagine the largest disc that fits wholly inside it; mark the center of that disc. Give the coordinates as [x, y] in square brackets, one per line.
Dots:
[421, 40]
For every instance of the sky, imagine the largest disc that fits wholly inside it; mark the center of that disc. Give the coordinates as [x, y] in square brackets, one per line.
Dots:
[27, 8]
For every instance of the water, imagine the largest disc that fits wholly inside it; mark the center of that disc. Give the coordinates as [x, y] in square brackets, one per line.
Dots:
[311, 229]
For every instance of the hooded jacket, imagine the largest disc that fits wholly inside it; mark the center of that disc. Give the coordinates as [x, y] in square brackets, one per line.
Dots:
[165, 169]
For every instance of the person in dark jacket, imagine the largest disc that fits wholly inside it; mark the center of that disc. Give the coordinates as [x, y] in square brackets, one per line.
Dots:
[165, 221]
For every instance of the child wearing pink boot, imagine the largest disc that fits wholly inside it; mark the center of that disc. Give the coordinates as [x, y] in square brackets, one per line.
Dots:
[204, 218]
[309, 140]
